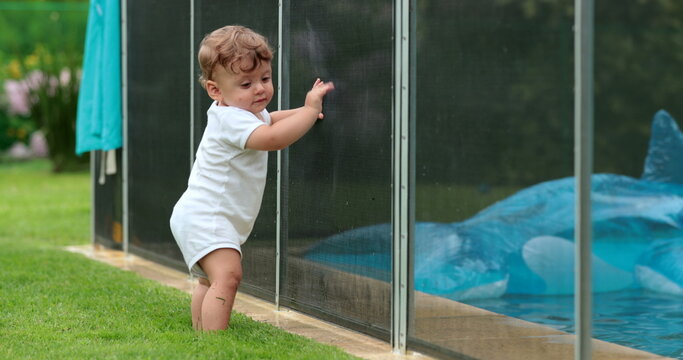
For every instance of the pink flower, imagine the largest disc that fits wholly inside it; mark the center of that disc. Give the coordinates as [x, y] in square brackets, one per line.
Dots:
[35, 79]
[65, 77]
[18, 97]
[53, 83]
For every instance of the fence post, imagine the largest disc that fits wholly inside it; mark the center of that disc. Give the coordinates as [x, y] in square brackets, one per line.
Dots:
[583, 167]
[402, 184]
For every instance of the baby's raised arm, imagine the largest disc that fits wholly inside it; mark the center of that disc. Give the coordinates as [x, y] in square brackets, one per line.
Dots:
[290, 125]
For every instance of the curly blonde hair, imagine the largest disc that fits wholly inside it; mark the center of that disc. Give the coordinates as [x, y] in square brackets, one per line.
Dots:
[230, 46]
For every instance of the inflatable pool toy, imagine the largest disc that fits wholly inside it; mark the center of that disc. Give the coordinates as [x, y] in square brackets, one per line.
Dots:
[524, 244]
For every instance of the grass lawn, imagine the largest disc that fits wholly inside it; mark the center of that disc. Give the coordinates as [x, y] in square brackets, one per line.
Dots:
[59, 305]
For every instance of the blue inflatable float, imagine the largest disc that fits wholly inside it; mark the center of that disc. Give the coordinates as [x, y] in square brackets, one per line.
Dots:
[524, 244]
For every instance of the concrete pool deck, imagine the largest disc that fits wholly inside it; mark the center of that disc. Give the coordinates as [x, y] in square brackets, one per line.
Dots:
[475, 333]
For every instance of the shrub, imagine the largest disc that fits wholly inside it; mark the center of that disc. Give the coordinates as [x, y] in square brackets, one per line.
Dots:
[41, 49]
[46, 98]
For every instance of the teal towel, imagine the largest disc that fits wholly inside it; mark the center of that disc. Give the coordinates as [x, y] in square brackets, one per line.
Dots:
[98, 121]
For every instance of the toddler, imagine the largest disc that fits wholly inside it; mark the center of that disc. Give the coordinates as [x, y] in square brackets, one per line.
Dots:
[215, 215]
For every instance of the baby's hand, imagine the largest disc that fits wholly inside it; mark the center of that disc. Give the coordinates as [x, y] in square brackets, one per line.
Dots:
[314, 98]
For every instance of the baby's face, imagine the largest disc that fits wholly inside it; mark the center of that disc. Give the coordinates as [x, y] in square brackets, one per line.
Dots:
[250, 91]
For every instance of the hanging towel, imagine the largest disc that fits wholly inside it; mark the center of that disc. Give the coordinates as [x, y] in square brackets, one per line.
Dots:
[107, 165]
[110, 169]
[98, 121]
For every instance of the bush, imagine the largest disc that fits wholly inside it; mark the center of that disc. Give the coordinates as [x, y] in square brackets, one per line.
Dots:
[46, 98]
[15, 122]
[41, 50]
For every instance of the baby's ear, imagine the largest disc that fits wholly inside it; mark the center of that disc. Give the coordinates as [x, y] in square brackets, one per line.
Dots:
[213, 90]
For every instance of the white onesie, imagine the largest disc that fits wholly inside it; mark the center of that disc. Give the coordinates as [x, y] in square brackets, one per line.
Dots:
[225, 187]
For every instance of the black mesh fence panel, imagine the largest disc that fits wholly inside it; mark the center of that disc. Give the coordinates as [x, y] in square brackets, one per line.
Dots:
[494, 117]
[340, 172]
[638, 174]
[158, 123]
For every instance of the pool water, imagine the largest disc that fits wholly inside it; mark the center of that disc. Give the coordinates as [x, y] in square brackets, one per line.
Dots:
[638, 319]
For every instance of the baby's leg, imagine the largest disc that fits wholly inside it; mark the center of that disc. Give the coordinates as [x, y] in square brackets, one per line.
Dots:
[197, 300]
[224, 267]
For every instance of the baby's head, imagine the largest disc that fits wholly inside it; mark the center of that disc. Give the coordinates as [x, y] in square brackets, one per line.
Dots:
[235, 48]
[236, 62]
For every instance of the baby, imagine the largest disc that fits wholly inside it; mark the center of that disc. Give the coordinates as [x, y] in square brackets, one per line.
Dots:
[216, 214]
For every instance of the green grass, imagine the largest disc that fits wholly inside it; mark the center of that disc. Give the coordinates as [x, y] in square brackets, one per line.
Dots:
[59, 305]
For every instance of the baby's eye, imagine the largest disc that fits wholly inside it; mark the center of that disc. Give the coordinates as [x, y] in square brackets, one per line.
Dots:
[266, 79]
[245, 85]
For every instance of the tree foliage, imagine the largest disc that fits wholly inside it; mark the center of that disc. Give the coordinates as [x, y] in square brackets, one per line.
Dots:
[495, 86]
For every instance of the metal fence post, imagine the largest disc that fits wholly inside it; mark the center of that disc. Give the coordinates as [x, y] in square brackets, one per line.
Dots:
[401, 211]
[583, 167]
[124, 121]
[281, 229]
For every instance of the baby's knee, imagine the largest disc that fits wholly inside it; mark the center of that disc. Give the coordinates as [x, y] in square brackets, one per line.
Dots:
[229, 279]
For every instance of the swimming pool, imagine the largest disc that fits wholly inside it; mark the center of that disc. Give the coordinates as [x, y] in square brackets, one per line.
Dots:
[636, 318]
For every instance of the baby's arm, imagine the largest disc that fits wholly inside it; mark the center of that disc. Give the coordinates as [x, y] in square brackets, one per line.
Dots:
[276, 116]
[288, 129]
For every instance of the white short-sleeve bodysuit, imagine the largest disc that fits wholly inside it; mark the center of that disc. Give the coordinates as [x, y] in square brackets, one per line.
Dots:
[225, 187]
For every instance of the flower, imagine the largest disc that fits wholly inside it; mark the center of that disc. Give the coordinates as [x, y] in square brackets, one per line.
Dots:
[17, 93]
[32, 61]
[65, 77]
[34, 80]
[14, 69]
